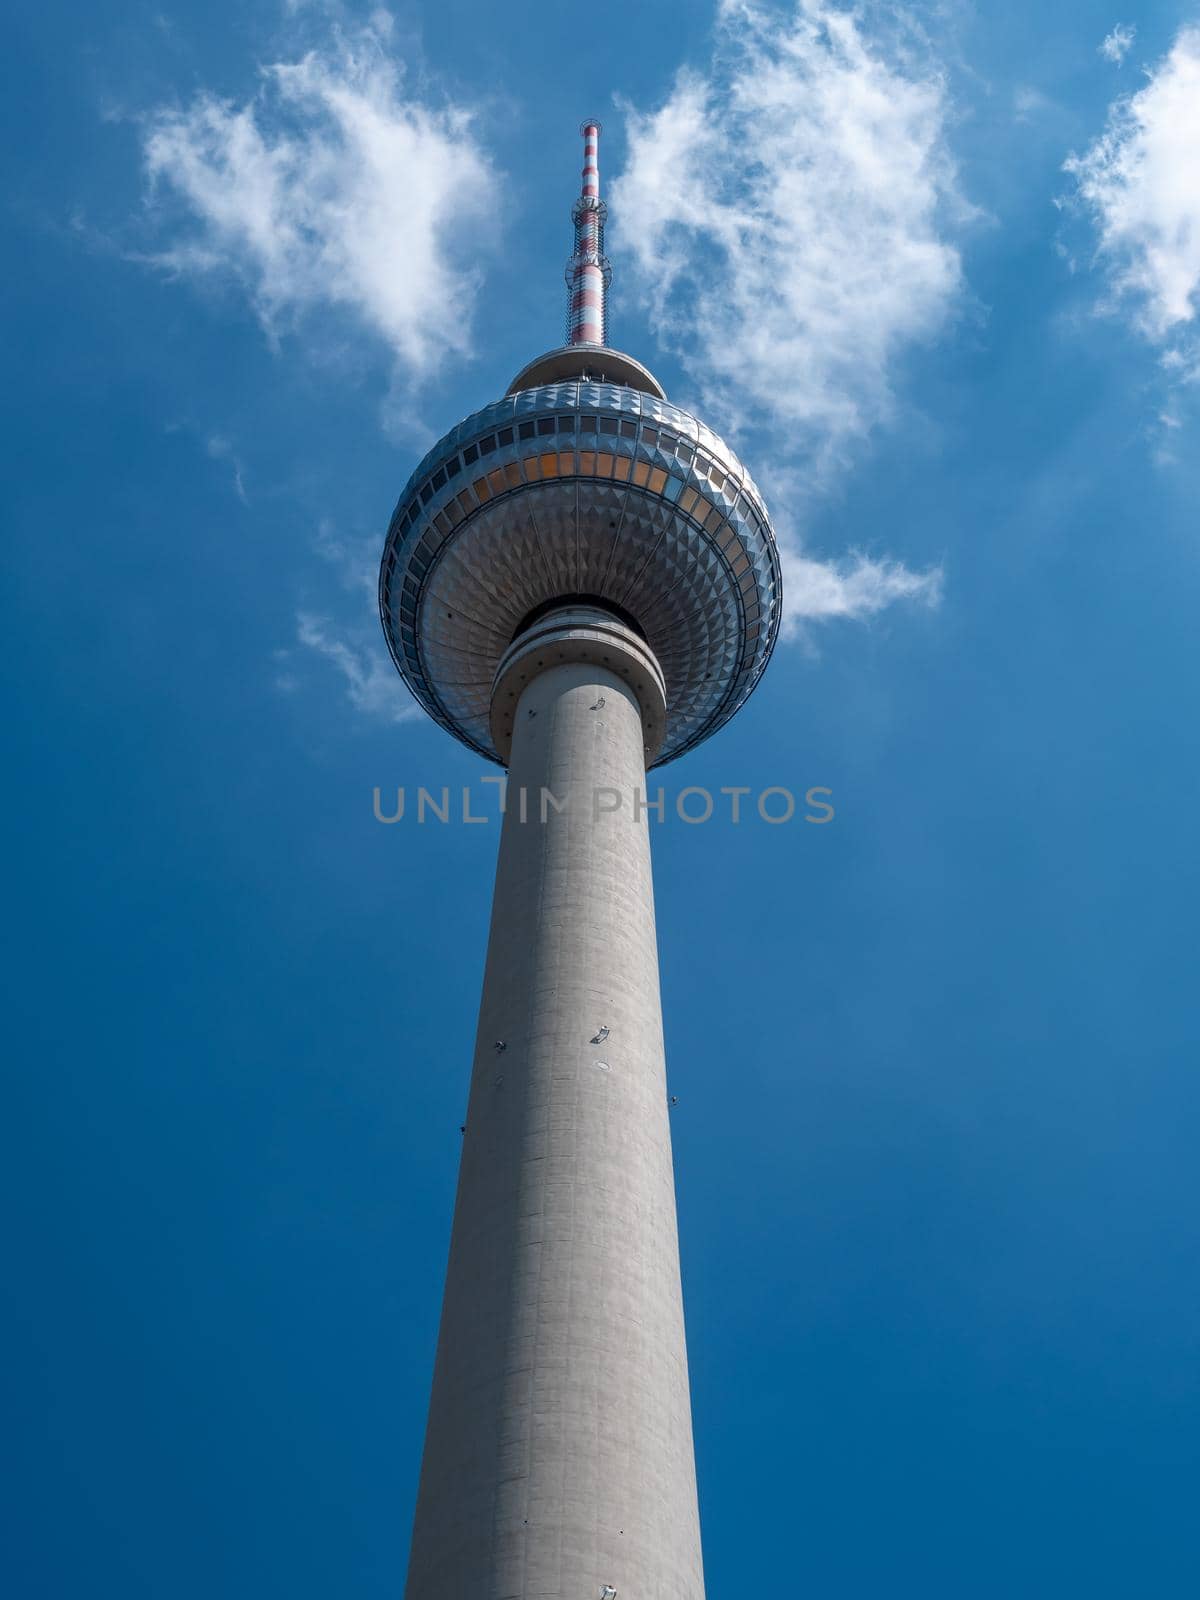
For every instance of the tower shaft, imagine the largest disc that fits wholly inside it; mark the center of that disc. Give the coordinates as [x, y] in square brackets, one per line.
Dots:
[558, 1457]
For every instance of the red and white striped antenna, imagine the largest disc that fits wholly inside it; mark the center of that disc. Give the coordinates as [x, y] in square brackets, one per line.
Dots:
[588, 272]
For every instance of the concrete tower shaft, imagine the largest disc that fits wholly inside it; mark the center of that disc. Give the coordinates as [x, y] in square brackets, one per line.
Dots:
[558, 1458]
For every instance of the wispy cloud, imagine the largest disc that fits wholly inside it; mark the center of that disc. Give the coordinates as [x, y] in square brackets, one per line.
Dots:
[334, 187]
[372, 683]
[1116, 45]
[789, 214]
[220, 449]
[784, 215]
[356, 561]
[348, 636]
[1029, 104]
[855, 586]
[1139, 183]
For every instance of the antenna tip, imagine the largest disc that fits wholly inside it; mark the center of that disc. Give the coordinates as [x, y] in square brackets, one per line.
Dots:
[590, 125]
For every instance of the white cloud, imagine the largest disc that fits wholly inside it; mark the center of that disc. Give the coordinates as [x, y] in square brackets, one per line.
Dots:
[372, 683]
[855, 587]
[332, 187]
[783, 215]
[1140, 184]
[786, 217]
[352, 642]
[1182, 364]
[1030, 103]
[220, 449]
[356, 560]
[1116, 45]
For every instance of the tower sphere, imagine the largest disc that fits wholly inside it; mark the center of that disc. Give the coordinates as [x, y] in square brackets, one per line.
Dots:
[582, 485]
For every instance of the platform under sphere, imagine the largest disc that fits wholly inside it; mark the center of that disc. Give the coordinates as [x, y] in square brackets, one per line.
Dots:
[558, 1459]
[589, 490]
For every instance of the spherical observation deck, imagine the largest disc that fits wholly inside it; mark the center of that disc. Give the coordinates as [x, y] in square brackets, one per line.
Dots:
[579, 488]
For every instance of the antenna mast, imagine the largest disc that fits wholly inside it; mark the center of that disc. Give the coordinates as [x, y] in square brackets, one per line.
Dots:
[588, 272]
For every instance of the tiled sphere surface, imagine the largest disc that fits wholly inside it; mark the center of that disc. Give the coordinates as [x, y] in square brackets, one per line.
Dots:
[572, 489]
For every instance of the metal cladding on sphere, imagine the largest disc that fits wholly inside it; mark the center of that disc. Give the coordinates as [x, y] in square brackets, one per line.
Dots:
[589, 489]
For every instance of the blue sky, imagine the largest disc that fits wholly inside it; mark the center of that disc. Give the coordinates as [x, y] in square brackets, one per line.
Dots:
[936, 272]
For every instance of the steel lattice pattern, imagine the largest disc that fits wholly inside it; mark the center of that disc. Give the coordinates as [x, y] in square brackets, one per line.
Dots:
[581, 488]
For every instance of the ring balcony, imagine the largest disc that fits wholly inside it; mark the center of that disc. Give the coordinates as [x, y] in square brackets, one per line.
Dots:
[590, 491]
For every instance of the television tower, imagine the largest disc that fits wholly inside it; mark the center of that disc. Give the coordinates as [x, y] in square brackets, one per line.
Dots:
[580, 582]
